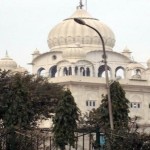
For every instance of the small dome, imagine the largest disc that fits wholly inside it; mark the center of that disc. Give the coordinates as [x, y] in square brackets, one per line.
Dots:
[126, 50]
[68, 32]
[7, 63]
[36, 52]
[74, 53]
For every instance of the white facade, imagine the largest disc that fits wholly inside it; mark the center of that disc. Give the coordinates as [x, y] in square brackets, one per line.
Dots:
[75, 60]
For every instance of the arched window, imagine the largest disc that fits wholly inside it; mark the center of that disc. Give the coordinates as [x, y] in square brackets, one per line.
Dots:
[136, 73]
[52, 71]
[76, 70]
[82, 71]
[120, 71]
[65, 71]
[70, 71]
[101, 71]
[41, 72]
[87, 71]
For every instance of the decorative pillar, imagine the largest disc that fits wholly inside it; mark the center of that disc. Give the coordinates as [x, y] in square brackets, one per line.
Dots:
[73, 70]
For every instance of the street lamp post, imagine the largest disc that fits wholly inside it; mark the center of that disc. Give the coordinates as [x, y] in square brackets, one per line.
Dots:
[82, 22]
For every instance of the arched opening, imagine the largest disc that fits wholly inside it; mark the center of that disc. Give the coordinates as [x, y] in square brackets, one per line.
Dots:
[120, 71]
[136, 73]
[41, 72]
[101, 71]
[82, 71]
[76, 70]
[70, 71]
[52, 71]
[65, 71]
[87, 71]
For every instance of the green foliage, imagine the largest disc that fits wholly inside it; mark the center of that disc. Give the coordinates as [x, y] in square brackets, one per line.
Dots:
[120, 108]
[123, 140]
[65, 121]
[24, 99]
[94, 117]
[125, 135]
[100, 117]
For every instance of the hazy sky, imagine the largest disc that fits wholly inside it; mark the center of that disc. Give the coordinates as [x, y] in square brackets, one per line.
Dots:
[25, 24]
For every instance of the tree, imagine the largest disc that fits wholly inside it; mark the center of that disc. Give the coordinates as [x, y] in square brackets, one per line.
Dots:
[121, 139]
[120, 108]
[99, 118]
[65, 121]
[25, 99]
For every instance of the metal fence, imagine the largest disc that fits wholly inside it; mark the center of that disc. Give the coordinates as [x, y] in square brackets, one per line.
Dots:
[41, 140]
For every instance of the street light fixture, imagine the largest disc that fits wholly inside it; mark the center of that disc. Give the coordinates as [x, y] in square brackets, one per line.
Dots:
[82, 22]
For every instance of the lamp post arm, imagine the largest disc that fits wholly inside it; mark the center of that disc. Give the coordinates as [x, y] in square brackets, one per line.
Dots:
[103, 44]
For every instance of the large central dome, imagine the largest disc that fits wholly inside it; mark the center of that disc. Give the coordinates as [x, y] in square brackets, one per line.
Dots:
[68, 33]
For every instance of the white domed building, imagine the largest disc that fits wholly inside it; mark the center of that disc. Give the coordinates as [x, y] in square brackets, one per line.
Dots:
[75, 60]
[7, 63]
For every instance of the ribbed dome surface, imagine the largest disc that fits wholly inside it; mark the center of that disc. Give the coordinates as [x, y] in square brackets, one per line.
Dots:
[73, 53]
[68, 33]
